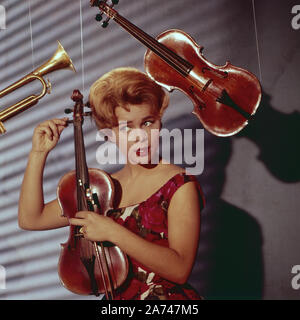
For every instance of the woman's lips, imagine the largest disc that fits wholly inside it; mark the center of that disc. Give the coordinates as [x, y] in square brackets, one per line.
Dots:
[143, 151]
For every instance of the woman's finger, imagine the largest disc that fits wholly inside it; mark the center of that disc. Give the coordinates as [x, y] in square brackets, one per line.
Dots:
[60, 129]
[81, 214]
[53, 128]
[77, 222]
[45, 129]
[61, 120]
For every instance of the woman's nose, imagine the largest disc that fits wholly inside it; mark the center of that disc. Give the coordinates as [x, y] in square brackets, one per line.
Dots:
[141, 135]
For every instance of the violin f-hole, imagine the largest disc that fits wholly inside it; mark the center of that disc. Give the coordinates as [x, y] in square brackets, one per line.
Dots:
[201, 104]
[225, 75]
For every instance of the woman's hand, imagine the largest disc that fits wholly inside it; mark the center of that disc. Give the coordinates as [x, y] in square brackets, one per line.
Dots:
[95, 227]
[47, 133]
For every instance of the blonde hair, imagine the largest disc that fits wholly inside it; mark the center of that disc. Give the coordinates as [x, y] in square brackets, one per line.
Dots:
[121, 87]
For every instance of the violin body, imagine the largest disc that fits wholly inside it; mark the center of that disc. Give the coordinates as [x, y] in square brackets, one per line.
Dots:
[72, 269]
[204, 84]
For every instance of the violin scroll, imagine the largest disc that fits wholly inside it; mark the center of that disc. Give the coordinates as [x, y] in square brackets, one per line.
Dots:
[105, 8]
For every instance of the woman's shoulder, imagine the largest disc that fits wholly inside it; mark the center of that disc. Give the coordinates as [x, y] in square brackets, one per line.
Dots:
[177, 177]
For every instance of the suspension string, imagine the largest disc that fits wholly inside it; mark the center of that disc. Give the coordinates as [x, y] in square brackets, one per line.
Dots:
[81, 41]
[31, 34]
[257, 46]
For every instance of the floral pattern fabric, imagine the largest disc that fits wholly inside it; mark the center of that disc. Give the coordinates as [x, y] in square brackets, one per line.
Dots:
[149, 220]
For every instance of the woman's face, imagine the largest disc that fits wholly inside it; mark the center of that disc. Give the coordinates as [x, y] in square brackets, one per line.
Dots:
[137, 135]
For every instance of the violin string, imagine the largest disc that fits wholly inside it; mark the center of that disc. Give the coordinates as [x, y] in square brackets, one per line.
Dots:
[31, 33]
[90, 248]
[83, 252]
[256, 37]
[165, 52]
[81, 41]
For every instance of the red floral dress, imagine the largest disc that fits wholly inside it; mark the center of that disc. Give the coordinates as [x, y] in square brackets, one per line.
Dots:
[148, 219]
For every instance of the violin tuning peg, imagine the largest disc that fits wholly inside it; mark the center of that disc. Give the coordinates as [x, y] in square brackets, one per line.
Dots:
[98, 17]
[105, 23]
[94, 3]
[68, 110]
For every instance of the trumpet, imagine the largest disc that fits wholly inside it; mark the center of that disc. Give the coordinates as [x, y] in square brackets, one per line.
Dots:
[59, 60]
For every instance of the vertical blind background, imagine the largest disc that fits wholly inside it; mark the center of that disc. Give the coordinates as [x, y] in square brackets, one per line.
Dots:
[249, 240]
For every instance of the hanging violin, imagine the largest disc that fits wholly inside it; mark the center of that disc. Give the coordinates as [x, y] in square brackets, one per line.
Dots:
[86, 267]
[225, 97]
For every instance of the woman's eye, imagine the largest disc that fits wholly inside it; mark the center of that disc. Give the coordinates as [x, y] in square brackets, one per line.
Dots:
[149, 123]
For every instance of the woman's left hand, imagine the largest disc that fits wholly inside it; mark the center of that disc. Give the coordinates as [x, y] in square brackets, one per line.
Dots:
[95, 227]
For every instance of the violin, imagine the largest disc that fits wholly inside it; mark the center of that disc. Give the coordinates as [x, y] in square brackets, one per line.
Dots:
[87, 267]
[225, 98]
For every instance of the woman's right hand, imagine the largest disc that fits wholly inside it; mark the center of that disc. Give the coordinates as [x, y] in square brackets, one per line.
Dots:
[46, 134]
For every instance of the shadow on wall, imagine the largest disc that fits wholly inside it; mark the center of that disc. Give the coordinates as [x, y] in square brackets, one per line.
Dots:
[230, 251]
[231, 256]
[236, 256]
[277, 135]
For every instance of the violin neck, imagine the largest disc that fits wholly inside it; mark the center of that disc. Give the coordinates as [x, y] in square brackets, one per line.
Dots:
[82, 175]
[170, 57]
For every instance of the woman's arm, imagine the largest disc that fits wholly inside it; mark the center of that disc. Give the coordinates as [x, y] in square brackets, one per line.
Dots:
[33, 213]
[174, 262]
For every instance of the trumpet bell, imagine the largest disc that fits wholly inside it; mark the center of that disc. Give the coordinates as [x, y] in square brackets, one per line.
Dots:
[59, 60]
